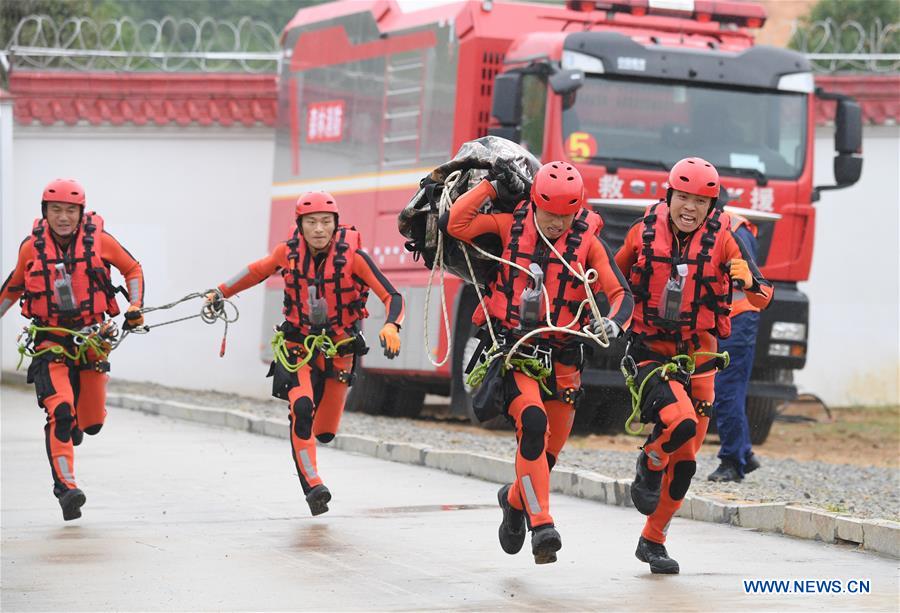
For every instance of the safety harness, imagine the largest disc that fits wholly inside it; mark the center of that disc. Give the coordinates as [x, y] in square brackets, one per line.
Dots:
[88, 276]
[525, 248]
[302, 353]
[74, 345]
[333, 279]
[708, 288]
[680, 367]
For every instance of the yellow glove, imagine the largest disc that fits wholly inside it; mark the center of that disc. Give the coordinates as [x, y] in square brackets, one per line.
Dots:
[740, 273]
[390, 340]
[133, 318]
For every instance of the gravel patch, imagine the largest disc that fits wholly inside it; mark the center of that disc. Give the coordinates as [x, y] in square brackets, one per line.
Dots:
[868, 492]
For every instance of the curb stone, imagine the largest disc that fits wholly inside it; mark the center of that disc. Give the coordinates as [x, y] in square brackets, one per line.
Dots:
[491, 468]
[356, 443]
[405, 453]
[881, 535]
[765, 516]
[594, 486]
[878, 535]
[850, 529]
[707, 509]
[808, 523]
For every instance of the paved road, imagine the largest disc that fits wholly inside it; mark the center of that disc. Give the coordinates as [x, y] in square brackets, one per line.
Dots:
[186, 517]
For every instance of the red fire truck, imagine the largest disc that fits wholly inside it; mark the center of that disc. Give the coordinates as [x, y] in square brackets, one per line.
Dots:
[374, 95]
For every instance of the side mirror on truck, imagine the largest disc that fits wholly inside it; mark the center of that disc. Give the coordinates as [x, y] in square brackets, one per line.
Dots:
[506, 106]
[847, 142]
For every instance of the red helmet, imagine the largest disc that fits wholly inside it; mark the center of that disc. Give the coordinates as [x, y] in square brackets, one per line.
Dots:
[695, 176]
[558, 188]
[64, 190]
[315, 202]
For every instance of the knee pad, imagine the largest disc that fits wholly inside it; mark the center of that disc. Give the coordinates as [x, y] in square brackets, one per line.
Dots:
[325, 437]
[62, 414]
[682, 474]
[92, 430]
[684, 431]
[303, 417]
[534, 428]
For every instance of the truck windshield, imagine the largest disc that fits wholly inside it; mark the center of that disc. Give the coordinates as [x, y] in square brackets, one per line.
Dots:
[651, 124]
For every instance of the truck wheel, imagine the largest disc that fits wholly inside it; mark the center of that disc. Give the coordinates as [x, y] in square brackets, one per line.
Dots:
[405, 402]
[464, 345]
[612, 407]
[761, 413]
[585, 417]
[375, 395]
[369, 394]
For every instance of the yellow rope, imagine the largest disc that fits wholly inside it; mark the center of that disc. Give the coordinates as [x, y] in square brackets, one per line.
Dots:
[530, 367]
[687, 363]
[90, 342]
[321, 342]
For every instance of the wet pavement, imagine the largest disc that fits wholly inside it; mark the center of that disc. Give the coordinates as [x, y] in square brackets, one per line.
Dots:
[187, 517]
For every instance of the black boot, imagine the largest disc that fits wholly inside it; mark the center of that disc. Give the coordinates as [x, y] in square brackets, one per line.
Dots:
[727, 471]
[751, 464]
[317, 499]
[646, 486]
[512, 528]
[77, 436]
[545, 542]
[657, 557]
[71, 502]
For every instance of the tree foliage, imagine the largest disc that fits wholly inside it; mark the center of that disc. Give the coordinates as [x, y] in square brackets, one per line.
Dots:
[274, 13]
[873, 16]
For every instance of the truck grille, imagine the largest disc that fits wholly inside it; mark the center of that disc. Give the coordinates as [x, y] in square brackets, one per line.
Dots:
[615, 226]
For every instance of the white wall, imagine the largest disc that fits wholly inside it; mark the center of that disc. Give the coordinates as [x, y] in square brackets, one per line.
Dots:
[853, 286]
[7, 232]
[191, 204]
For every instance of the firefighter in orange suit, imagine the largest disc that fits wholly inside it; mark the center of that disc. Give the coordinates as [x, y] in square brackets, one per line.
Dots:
[543, 417]
[63, 277]
[327, 278]
[682, 259]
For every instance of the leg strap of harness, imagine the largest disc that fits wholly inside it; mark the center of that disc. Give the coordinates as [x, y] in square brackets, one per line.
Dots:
[679, 367]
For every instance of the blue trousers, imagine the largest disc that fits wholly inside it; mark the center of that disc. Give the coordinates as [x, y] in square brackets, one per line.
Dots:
[731, 390]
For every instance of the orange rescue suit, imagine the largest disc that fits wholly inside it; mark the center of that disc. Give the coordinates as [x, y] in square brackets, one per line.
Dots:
[679, 409]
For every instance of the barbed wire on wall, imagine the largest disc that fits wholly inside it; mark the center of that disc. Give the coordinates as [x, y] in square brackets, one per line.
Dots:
[210, 45]
[167, 45]
[849, 46]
